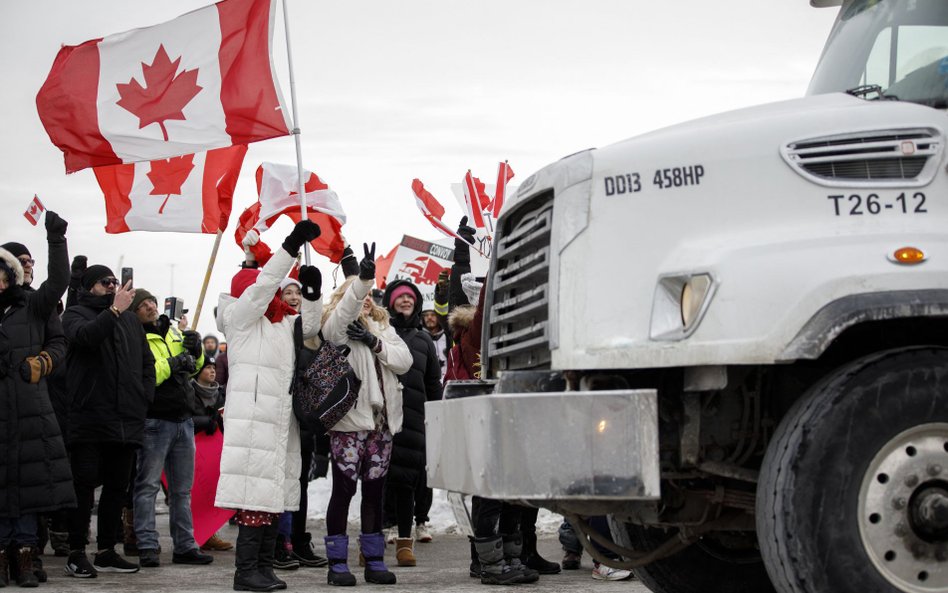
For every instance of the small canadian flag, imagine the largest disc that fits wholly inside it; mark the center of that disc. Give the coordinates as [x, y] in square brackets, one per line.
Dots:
[35, 210]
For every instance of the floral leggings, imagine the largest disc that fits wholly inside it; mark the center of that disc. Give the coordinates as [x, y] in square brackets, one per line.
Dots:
[358, 455]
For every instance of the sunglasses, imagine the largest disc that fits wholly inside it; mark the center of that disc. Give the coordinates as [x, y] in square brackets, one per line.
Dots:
[107, 282]
[27, 261]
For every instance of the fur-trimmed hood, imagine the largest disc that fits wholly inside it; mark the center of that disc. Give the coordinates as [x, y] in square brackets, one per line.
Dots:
[461, 317]
[14, 264]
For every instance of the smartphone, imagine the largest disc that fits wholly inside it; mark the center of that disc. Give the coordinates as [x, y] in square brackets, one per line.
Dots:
[481, 278]
[127, 276]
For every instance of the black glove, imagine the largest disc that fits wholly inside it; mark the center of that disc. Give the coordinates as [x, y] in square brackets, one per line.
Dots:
[55, 226]
[304, 231]
[192, 343]
[312, 281]
[211, 427]
[182, 363]
[356, 331]
[467, 233]
[350, 265]
[79, 264]
[441, 289]
[367, 265]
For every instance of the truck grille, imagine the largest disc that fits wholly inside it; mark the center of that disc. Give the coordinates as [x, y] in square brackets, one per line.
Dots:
[519, 307]
[894, 156]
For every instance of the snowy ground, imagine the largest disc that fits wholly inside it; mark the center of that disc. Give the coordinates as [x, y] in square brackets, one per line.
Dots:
[442, 515]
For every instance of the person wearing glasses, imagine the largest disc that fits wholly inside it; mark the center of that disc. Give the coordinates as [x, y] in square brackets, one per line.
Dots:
[22, 254]
[111, 379]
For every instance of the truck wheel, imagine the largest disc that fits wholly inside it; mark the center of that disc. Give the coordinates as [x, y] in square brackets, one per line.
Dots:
[853, 494]
[717, 563]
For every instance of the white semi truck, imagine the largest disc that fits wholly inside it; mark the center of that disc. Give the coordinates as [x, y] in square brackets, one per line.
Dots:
[731, 335]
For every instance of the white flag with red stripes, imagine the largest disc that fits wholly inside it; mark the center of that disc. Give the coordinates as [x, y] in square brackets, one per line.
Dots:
[200, 81]
[504, 174]
[431, 208]
[476, 199]
[35, 210]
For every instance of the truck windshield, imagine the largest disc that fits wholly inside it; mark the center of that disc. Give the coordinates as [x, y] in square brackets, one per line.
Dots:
[900, 46]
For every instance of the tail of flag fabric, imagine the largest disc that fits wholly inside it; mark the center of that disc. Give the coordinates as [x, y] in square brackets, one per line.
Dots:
[504, 175]
[189, 194]
[431, 208]
[198, 82]
[383, 264]
[475, 199]
[277, 187]
[35, 210]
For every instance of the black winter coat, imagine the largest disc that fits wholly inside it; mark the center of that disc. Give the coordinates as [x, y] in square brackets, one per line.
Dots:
[421, 383]
[34, 470]
[111, 373]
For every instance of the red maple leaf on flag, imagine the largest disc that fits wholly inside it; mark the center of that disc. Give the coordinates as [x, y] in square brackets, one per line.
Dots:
[168, 175]
[165, 94]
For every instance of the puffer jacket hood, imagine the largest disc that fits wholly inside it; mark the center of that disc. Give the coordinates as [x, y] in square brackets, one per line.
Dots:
[461, 317]
[397, 319]
[14, 264]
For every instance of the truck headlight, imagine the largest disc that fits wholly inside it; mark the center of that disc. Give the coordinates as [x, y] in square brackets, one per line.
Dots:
[679, 304]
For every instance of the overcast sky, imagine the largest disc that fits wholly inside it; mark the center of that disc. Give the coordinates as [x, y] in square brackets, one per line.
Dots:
[389, 91]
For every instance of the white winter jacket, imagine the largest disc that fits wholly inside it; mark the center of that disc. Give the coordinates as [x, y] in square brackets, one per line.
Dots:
[395, 358]
[261, 463]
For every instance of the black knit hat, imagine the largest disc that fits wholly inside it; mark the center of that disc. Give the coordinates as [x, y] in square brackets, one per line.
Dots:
[95, 273]
[17, 249]
[141, 295]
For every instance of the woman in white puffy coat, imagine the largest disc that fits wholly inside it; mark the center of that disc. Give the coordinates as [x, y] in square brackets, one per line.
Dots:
[260, 462]
[361, 443]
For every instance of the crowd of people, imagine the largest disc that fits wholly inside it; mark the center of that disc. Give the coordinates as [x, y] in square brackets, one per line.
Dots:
[107, 392]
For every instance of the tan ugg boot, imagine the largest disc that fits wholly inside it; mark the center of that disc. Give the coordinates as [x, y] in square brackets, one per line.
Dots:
[405, 551]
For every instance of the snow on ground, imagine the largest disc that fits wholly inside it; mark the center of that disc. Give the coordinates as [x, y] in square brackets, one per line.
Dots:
[441, 514]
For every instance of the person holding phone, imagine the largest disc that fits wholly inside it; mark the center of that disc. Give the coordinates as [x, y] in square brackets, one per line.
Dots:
[111, 380]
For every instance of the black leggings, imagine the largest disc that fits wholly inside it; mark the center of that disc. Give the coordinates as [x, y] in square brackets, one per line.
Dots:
[400, 505]
[343, 489]
[299, 517]
[494, 517]
[108, 464]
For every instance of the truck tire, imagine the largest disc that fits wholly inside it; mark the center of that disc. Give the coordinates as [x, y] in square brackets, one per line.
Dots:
[853, 493]
[718, 563]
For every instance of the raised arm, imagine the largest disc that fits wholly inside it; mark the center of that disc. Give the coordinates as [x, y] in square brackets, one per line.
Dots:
[43, 301]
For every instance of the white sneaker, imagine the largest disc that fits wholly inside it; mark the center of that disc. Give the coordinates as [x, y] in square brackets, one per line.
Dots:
[391, 534]
[422, 534]
[601, 572]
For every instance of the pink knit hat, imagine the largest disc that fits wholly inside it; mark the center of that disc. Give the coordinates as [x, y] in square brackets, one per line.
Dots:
[399, 291]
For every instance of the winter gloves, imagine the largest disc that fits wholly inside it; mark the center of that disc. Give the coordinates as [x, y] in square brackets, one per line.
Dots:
[33, 368]
[471, 287]
[462, 249]
[55, 226]
[182, 363]
[303, 232]
[356, 331]
[192, 343]
[367, 265]
[311, 281]
[350, 265]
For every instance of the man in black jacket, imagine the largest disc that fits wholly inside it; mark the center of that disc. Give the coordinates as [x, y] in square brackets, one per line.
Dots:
[111, 376]
[169, 436]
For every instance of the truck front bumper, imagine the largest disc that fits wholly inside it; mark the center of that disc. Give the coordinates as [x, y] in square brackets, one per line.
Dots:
[596, 445]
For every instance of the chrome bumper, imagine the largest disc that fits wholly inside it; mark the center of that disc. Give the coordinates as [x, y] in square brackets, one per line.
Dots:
[597, 445]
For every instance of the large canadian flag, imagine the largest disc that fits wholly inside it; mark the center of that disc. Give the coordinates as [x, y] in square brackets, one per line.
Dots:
[191, 193]
[201, 81]
[277, 187]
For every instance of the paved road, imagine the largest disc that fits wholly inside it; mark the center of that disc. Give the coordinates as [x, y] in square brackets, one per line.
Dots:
[442, 566]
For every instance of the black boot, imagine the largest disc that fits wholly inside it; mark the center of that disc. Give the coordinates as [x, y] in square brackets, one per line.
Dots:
[4, 568]
[267, 552]
[494, 571]
[247, 577]
[475, 569]
[24, 562]
[303, 551]
[532, 559]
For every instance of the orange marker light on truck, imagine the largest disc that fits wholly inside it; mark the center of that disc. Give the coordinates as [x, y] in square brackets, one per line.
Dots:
[908, 256]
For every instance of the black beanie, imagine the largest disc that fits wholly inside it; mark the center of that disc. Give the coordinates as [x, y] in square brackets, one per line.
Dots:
[141, 295]
[17, 249]
[93, 274]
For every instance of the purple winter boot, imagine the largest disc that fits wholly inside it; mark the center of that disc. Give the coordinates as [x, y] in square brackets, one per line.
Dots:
[373, 548]
[337, 549]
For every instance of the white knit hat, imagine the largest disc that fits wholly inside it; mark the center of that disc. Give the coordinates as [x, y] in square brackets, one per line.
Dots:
[287, 281]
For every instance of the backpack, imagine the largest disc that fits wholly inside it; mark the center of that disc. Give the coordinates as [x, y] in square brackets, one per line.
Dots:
[324, 387]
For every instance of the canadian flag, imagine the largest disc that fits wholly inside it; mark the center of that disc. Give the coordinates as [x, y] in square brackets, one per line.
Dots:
[277, 189]
[431, 208]
[504, 174]
[189, 194]
[34, 210]
[383, 264]
[475, 199]
[200, 81]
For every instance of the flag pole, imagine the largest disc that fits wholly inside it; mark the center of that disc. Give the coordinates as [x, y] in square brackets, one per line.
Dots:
[207, 278]
[296, 127]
